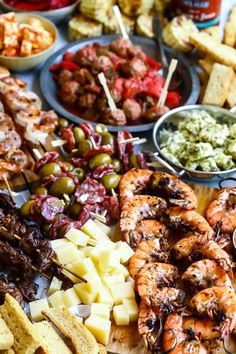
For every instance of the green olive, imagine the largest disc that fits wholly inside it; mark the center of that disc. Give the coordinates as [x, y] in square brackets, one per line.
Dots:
[41, 191]
[66, 205]
[46, 228]
[98, 160]
[51, 168]
[35, 185]
[25, 209]
[64, 185]
[69, 166]
[78, 134]
[111, 181]
[108, 138]
[62, 230]
[84, 146]
[100, 128]
[133, 161]
[116, 164]
[79, 173]
[63, 123]
[74, 210]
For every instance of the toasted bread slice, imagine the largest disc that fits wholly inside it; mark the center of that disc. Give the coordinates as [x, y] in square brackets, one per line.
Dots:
[220, 53]
[214, 32]
[101, 349]
[218, 85]
[25, 335]
[6, 336]
[52, 341]
[207, 64]
[82, 341]
[7, 351]
[231, 98]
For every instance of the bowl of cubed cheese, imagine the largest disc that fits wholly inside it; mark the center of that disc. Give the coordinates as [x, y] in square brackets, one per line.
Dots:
[25, 40]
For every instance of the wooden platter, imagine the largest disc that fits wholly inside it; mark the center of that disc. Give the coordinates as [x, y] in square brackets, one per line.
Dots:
[123, 340]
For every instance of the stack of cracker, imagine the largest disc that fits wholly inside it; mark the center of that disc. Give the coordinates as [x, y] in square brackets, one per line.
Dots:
[18, 335]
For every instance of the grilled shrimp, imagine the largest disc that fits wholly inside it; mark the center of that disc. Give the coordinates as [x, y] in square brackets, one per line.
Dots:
[172, 189]
[222, 210]
[206, 273]
[147, 230]
[165, 300]
[186, 333]
[191, 249]
[139, 208]
[215, 302]
[135, 181]
[156, 250]
[154, 275]
[189, 220]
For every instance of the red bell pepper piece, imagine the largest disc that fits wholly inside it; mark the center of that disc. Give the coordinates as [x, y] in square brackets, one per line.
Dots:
[152, 87]
[64, 64]
[173, 99]
[156, 65]
[68, 56]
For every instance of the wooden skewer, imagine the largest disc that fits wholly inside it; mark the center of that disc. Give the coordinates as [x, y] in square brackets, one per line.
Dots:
[58, 142]
[171, 69]
[93, 141]
[37, 153]
[114, 193]
[117, 13]
[8, 188]
[110, 100]
[99, 217]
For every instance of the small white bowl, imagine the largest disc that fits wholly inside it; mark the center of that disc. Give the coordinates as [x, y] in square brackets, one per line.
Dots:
[53, 15]
[30, 62]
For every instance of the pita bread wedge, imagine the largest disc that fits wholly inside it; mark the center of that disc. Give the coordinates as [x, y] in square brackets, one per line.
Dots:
[82, 341]
[6, 337]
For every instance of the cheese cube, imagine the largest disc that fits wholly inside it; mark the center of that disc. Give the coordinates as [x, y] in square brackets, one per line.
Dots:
[106, 229]
[113, 279]
[99, 327]
[91, 229]
[125, 251]
[101, 246]
[36, 308]
[94, 283]
[132, 309]
[105, 297]
[130, 280]
[70, 297]
[120, 269]
[78, 237]
[54, 286]
[70, 276]
[102, 310]
[86, 250]
[60, 243]
[83, 266]
[121, 291]
[108, 260]
[56, 299]
[120, 315]
[68, 254]
[85, 296]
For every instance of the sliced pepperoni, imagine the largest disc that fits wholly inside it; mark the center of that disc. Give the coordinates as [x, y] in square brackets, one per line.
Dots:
[68, 135]
[47, 157]
[90, 192]
[106, 149]
[103, 170]
[51, 207]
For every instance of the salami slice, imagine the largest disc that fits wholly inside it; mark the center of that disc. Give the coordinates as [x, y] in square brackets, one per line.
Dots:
[78, 162]
[121, 146]
[47, 157]
[111, 204]
[49, 180]
[57, 225]
[129, 146]
[141, 159]
[88, 129]
[84, 215]
[90, 192]
[103, 170]
[51, 207]
[126, 162]
[106, 149]
[68, 135]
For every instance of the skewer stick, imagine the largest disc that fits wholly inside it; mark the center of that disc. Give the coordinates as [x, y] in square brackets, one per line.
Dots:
[99, 217]
[130, 140]
[58, 142]
[171, 69]
[114, 193]
[110, 100]
[93, 141]
[117, 13]
[8, 188]
[37, 154]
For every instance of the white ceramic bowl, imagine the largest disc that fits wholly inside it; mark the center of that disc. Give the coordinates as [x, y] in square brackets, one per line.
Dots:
[53, 15]
[30, 62]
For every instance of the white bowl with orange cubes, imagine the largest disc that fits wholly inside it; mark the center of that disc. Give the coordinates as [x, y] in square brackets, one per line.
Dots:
[25, 40]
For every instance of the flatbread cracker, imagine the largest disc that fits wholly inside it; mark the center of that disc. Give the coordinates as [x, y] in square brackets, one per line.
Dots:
[6, 336]
[206, 64]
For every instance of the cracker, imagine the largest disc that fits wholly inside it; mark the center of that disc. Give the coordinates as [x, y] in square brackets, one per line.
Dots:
[82, 340]
[206, 64]
[218, 85]
[214, 32]
[231, 98]
[52, 341]
[229, 34]
[101, 349]
[7, 351]
[6, 337]
[25, 335]
[218, 52]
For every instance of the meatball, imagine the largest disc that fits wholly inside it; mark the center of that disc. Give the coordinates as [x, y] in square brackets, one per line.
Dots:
[152, 114]
[68, 93]
[102, 64]
[64, 76]
[135, 67]
[116, 117]
[86, 55]
[81, 76]
[86, 100]
[132, 109]
[136, 51]
[121, 46]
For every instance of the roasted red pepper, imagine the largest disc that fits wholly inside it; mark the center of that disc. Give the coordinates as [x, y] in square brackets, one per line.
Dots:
[173, 99]
[156, 65]
[68, 56]
[64, 64]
